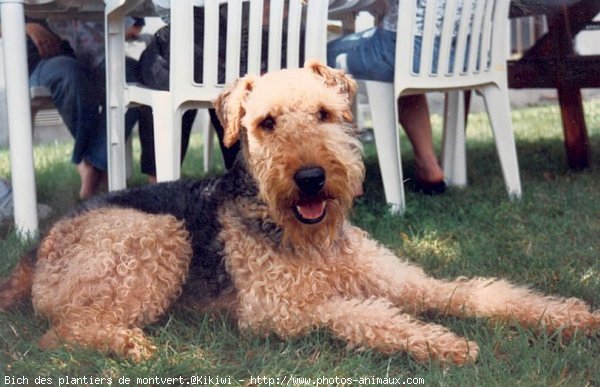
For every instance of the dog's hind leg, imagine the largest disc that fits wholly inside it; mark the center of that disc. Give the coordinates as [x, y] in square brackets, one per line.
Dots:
[376, 323]
[103, 275]
[17, 286]
[106, 337]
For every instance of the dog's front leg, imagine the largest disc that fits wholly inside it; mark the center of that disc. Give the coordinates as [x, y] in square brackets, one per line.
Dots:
[503, 301]
[408, 286]
[376, 323]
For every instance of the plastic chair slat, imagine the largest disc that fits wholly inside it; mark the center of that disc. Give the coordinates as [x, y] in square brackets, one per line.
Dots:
[475, 48]
[255, 36]
[234, 41]
[275, 34]
[486, 36]
[316, 31]
[406, 12]
[293, 34]
[211, 43]
[447, 37]
[428, 38]
[182, 67]
[461, 40]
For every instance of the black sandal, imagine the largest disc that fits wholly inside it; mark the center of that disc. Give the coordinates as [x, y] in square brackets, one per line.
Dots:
[430, 188]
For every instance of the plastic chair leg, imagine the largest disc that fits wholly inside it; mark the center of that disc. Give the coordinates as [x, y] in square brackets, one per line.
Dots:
[498, 109]
[383, 113]
[167, 142]
[454, 160]
[115, 109]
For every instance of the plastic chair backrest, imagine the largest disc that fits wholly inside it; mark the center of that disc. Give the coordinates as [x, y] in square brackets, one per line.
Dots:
[463, 44]
[282, 15]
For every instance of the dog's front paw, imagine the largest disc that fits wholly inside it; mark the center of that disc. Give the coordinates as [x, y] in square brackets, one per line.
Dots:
[585, 322]
[459, 352]
[448, 349]
[569, 316]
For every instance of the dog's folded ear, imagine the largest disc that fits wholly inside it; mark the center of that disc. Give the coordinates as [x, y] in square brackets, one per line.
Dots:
[229, 106]
[334, 78]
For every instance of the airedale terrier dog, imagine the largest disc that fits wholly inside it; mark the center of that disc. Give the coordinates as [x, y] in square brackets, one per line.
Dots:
[270, 240]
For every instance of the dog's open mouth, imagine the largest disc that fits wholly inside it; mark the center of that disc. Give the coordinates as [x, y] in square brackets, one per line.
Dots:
[311, 211]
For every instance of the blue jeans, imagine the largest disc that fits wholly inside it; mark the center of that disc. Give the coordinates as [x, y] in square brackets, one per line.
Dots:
[371, 54]
[79, 96]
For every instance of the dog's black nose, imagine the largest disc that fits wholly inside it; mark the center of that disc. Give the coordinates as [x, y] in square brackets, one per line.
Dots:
[310, 180]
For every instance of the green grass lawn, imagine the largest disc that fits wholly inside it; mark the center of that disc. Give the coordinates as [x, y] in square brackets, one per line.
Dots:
[550, 240]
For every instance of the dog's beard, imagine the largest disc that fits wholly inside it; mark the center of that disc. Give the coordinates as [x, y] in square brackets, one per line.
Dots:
[310, 221]
[318, 233]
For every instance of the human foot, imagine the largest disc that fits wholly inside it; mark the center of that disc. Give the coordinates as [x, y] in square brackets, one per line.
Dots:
[91, 179]
[429, 179]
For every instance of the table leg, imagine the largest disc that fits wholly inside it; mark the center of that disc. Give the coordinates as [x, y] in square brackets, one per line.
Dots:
[19, 117]
[569, 97]
[548, 63]
[577, 144]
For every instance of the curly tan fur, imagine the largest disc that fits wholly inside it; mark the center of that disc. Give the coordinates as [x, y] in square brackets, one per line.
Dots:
[18, 286]
[282, 258]
[102, 275]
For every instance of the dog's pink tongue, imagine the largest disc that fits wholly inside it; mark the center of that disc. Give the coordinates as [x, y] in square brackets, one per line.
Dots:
[311, 210]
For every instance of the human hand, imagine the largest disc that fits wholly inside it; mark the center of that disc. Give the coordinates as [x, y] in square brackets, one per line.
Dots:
[47, 43]
[133, 32]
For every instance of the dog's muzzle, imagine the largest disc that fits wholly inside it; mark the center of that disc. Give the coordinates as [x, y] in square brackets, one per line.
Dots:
[310, 181]
[311, 208]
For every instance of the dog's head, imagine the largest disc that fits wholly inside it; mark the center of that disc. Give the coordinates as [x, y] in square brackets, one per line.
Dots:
[299, 143]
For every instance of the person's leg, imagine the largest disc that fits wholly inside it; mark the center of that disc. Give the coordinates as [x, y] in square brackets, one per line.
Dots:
[370, 54]
[91, 179]
[146, 132]
[74, 95]
[132, 115]
[413, 114]
[186, 130]
[229, 154]
[131, 75]
[92, 169]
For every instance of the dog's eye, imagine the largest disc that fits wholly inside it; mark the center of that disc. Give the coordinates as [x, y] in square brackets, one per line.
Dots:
[323, 114]
[268, 123]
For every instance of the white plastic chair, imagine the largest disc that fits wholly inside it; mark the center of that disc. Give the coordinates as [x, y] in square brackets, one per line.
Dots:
[185, 93]
[480, 54]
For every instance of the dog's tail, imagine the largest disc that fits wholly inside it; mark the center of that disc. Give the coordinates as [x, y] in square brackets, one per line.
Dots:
[17, 286]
